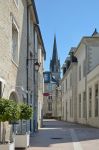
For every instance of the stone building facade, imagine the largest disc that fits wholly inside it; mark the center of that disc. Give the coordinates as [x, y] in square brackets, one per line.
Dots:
[69, 88]
[21, 46]
[87, 71]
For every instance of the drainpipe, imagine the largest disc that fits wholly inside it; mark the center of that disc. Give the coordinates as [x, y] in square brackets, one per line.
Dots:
[34, 122]
[27, 58]
[27, 62]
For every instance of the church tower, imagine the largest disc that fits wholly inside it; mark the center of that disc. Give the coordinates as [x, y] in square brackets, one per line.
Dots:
[55, 62]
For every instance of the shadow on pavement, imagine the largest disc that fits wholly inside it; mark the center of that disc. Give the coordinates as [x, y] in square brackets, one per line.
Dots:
[55, 132]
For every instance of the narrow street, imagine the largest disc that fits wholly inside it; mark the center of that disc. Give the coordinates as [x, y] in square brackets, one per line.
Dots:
[58, 135]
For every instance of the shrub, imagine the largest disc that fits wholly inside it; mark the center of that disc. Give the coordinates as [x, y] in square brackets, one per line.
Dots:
[9, 111]
[25, 113]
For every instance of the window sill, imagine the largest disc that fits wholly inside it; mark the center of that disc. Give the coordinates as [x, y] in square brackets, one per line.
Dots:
[16, 65]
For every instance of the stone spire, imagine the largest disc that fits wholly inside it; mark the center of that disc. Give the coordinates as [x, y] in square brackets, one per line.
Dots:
[55, 62]
[55, 53]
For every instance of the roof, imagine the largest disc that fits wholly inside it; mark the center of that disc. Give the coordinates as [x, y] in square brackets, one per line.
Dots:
[35, 11]
[84, 38]
[47, 72]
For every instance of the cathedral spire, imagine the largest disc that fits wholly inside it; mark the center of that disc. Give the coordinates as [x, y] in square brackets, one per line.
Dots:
[55, 53]
[55, 62]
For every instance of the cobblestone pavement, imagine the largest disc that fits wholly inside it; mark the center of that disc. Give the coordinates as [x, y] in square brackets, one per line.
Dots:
[58, 135]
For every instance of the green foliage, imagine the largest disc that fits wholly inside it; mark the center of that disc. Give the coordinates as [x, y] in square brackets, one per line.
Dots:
[25, 112]
[9, 110]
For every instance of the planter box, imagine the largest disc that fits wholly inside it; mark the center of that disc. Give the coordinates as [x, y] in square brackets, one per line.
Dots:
[22, 141]
[9, 146]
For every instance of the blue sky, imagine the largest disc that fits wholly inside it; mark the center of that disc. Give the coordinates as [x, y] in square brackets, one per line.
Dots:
[69, 20]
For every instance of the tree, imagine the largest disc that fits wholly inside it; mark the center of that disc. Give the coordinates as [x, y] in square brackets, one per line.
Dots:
[26, 112]
[9, 111]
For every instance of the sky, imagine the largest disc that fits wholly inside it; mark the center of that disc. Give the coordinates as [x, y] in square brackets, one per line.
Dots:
[70, 20]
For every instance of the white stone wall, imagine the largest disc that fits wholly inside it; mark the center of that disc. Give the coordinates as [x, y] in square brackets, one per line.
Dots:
[70, 94]
[12, 75]
[93, 53]
[45, 99]
[88, 50]
[92, 79]
[40, 86]
[81, 87]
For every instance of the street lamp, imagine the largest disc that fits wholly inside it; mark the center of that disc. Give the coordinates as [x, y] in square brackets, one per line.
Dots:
[36, 66]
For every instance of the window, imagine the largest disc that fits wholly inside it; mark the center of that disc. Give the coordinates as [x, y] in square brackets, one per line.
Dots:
[71, 108]
[30, 29]
[49, 106]
[79, 105]
[96, 100]
[90, 102]
[50, 97]
[31, 98]
[31, 61]
[47, 77]
[66, 84]
[50, 87]
[36, 43]
[70, 80]
[63, 88]
[84, 104]
[14, 43]
[84, 68]
[79, 73]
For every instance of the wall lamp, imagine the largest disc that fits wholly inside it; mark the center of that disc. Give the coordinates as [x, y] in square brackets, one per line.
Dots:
[36, 64]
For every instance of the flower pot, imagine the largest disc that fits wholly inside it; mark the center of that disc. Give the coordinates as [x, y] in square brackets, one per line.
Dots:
[22, 141]
[8, 146]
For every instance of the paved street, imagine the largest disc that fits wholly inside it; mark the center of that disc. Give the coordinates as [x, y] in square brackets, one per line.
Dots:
[58, 135]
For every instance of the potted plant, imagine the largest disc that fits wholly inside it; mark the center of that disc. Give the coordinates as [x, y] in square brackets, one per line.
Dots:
[22, 139]
[9, 111]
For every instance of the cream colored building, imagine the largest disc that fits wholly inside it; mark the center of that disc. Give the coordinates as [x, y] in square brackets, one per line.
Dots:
[13, 46]
[40, 78]
[13, 37]
[87, 87]
[57, 102]
[69, 89]
[93, 97]
[81, 83]
[87, 55]
[21, 46]
[52, 97]
[48, 95]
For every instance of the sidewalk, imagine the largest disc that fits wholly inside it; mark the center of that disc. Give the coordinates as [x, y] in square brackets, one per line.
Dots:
[58, 135]
[52, 137]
